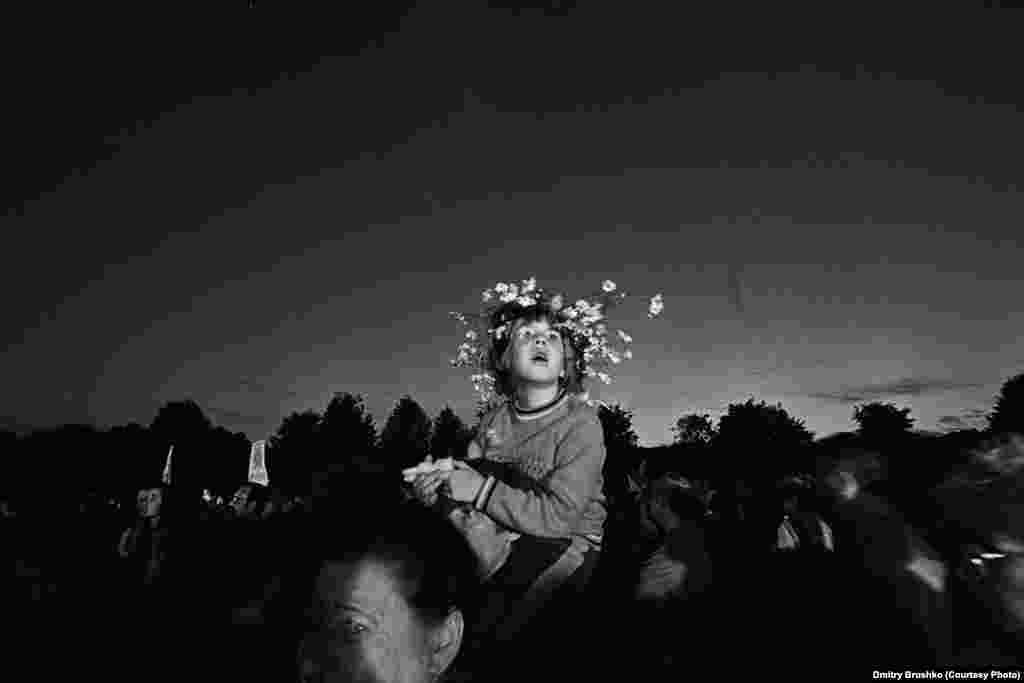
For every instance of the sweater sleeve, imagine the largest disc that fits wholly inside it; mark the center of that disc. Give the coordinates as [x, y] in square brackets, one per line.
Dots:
[478, 444]
[553, 508]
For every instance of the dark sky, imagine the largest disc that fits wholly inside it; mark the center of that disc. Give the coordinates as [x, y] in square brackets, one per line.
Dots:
[831, 205]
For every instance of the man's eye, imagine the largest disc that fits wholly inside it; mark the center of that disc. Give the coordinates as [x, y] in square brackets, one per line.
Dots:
[350, 629]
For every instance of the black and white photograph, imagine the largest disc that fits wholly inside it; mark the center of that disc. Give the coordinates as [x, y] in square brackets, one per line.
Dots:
[460, 341]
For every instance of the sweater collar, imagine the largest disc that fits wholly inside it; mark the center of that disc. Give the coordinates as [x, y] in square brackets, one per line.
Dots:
[540, 411]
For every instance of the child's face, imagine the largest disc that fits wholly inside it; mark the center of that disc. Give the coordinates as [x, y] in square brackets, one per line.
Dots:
[538, 353]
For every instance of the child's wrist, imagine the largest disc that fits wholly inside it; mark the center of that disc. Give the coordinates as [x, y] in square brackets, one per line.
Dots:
[484, 493]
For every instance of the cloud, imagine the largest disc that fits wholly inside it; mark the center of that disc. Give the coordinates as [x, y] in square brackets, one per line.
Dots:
[973, 418]
[906, 387]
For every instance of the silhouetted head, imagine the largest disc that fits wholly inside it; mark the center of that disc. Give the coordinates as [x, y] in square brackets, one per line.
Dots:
[248, 501]
[673, 500]
[388, 599]
[149, 502]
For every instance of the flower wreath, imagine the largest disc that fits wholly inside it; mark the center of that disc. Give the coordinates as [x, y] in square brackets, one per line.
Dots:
[582, 322]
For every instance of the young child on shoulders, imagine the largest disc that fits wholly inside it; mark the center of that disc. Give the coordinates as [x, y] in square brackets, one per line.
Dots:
[530, 494]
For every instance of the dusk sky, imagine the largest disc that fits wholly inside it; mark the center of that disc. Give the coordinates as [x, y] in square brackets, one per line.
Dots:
[831, 220]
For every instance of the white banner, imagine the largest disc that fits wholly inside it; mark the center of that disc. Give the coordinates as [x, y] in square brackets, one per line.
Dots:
[258, 464]
[167, 467]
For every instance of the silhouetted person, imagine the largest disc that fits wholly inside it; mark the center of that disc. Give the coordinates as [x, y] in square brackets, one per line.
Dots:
[144, 545]
[668, 588]
[980, 512]
[878, 553]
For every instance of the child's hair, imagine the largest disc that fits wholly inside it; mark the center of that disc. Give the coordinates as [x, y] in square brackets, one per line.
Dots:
[499, 357]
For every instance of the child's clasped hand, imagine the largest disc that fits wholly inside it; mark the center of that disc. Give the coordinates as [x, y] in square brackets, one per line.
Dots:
[464, 483]
[457, 480]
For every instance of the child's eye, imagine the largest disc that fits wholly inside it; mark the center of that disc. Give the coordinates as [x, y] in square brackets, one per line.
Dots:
[551, 336]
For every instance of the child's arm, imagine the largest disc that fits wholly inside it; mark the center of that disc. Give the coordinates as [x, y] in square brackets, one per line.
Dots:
[552, 508]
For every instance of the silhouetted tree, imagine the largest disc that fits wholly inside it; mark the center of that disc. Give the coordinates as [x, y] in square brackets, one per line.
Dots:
[761, 442]
[183, 425]
[135, 459]
[180, 421]
[617, 423]
[944, 454]
[226, 461]
[9, 462]
[60, 465]
[450, 436]
[620, 441]
[882, 423]
[1008, 413]
[347, 431]
[694, 430]
[295, 448]
[406, 435]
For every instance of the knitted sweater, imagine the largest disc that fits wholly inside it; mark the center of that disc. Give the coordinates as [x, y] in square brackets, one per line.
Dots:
[544, 471]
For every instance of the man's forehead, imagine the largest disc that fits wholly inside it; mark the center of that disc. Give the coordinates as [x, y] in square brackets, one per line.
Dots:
[368, 584]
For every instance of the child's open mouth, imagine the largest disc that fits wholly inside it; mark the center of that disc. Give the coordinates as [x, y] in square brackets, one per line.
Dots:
[540, 358]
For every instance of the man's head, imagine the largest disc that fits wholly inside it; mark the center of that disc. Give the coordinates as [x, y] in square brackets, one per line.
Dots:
[388, 600]
[149, 501]
[243, 503]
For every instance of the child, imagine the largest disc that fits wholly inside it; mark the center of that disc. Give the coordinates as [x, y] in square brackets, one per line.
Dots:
[530, 492]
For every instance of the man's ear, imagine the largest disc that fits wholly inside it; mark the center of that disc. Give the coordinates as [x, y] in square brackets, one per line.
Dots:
[446, 642]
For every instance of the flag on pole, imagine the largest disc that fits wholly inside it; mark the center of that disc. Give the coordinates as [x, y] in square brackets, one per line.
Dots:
[258, 464]
[167, 467]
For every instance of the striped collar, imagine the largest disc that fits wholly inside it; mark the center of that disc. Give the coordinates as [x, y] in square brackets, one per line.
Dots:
[542, 411]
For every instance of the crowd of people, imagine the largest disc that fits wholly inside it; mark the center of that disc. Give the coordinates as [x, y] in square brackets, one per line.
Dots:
[526, 558]
[688, 579]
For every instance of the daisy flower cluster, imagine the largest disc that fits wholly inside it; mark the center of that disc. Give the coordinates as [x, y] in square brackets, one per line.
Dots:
[583, 321]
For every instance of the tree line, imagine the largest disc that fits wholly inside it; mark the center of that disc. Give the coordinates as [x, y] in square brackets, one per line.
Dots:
[751, 441]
